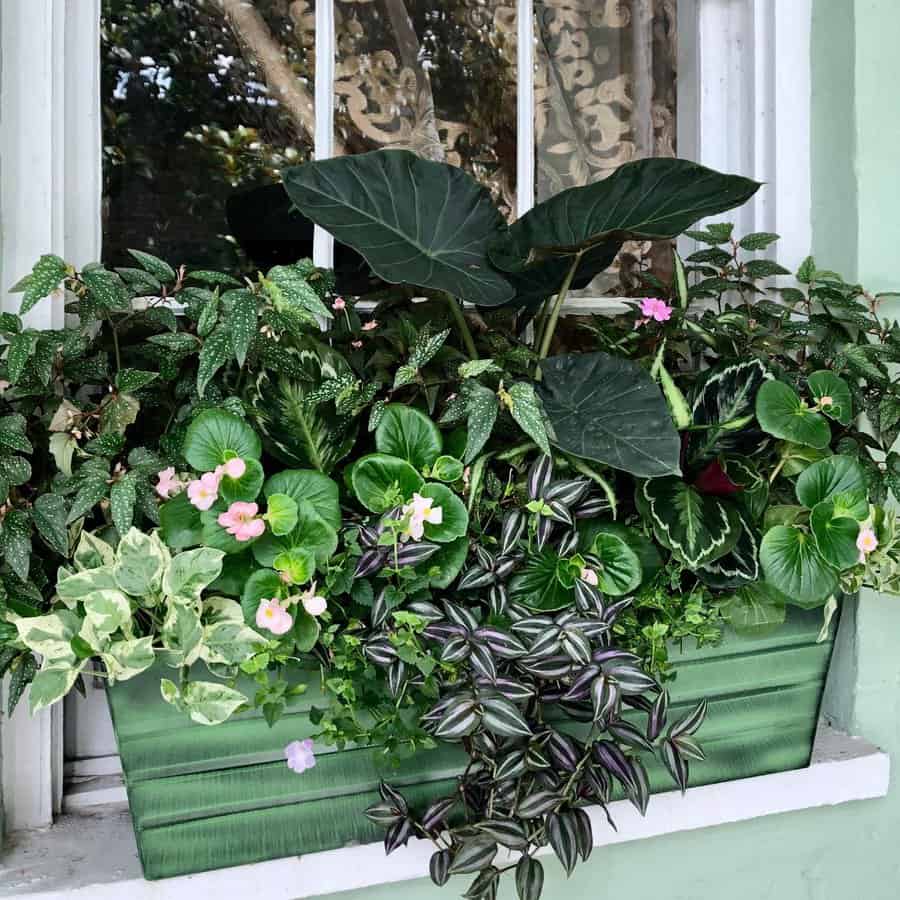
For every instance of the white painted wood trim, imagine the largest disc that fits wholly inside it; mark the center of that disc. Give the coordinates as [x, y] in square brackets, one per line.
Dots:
[94, 857]
[323, 242]
[524, 107]
[50, 184]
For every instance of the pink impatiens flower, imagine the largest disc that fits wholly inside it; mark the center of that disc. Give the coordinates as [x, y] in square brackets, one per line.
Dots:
[234, 468]
[655, 309]
[241, 520]
[203, 491]
[272, 616]
[168, 483]
[300, 756]
[370, 326]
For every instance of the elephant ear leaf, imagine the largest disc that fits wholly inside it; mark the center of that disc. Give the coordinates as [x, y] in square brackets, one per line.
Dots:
[609, 410]
[415, 221]
[649, 199]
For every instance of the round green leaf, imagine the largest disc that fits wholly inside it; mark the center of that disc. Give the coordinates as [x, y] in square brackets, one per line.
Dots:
[299, 565]
[236, 569]
[311, 534]
[315, 488]
[261, 585]
[215, 436]
[306, 629]
[408, 433]
[454, 520]
[620, 568]
[835, 535]
[792, 563]
[214, 535]
[755, 610]
[828, 477]
[447, 563]
[783, 414]
[382, 482]
[180, 523]
[246, 488]
[537, 586]
[281, 514]
[647, 553]
[447, 469]
[827, 384]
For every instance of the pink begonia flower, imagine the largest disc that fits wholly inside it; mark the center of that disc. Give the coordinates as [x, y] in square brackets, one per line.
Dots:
[272, 616]
[315, 604]
[168, 483]
[658, 310]
[356, 344]
[339, 304]
[419, 510]
[241, 521]
[370, 326]
[866, 542]
[300, 756]
[589, 576]
[203, 491]
[234, 468]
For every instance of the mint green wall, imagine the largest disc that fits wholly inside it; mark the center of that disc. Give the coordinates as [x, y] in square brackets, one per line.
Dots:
[848, 851]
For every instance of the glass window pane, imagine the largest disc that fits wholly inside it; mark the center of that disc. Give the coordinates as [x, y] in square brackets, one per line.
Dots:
[434, 76]
[201, 111]
[605, 93]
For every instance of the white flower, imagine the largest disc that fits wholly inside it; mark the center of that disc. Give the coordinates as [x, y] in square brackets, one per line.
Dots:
[419, 511]
[589, 576]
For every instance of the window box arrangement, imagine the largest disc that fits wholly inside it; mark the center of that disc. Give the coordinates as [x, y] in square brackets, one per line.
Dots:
[466, 569]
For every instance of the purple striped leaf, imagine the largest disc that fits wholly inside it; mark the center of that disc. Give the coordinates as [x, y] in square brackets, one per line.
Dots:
[539, 476]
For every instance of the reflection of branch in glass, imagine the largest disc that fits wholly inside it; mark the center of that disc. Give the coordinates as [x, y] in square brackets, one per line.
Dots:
[424, 140]
[251, 30]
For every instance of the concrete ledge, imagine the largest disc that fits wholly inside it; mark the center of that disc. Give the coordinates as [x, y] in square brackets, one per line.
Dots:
[91, 855]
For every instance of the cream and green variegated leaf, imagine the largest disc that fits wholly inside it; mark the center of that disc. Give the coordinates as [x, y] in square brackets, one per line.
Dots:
[141, 561]
[221, 609]
[209, 703]
[697, 528]
[92, 552]
[191, 571]
[50, 635]
[52, 683]
[108, 612]
[792, 563]
[229, 643]
[76, 586]
[125, 659]
[182, 635]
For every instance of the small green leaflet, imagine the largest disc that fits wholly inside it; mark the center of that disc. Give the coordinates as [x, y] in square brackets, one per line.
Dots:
[157, 267]
[122, 498]
[15, 541]
[426, 347]
[242, 322]
[526, 409]
[21, 349]
[46, 276]
[49, 514]
[129, 380]
[482, 408]
[216, 352]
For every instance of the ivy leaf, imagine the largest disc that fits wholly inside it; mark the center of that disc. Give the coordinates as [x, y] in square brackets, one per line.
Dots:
[482, 414]
[122, 498]
[242, 323]
[217, 350]
[49, 514]
[157, 267]
[15, 541]
[45, 277]
[526, 409]
[21, 349]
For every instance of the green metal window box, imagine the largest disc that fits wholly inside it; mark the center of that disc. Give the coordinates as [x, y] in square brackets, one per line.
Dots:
[204, 798]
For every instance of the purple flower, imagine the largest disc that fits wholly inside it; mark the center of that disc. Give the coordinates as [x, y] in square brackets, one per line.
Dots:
[300, 755]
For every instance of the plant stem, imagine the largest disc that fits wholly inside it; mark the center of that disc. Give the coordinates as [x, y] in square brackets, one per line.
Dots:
[462, 325]
[550, 326]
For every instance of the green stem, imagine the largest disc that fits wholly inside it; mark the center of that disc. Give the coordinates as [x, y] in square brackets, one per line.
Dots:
[115, 337]
[581, 466]
[550, 327]
[462, 325]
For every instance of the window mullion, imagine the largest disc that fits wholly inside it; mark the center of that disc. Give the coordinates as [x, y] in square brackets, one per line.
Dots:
[323, 242]
[525, 107]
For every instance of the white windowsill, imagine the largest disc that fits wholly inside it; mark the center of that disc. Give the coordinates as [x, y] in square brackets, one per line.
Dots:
[91, 854]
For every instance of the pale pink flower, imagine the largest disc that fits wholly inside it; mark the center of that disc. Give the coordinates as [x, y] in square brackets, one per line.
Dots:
[370, 326]
[315, 604]
[339, 304]
[234, 468]
[241, 520]
[272, 616]
[168, 483]
[300, 756]
[589, 576]
[356, 344]
[866, 542]
[204, 490]
[419, 511]
[655, 309]
[826, 401]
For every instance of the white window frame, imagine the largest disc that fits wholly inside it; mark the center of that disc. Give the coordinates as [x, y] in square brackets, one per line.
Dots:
[741, 62]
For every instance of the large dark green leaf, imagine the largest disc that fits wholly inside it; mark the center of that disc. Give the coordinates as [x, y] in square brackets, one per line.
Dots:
[414, 221]
[792, 563]
[650, 199]
[609, 410]
[408, 433]
[783, 414]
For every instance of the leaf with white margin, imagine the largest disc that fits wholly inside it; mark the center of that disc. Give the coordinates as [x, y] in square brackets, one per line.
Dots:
[78, 585]
[91, 552]
[192, 571]
[125, 659]
[51, 684]
[182, 635]
[108, 611]
[209, 703]
[50, 635]
[141, 560]
[229, 643]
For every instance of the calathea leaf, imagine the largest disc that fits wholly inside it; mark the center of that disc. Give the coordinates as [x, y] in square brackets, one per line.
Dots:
[740, 565]
[697, 528]
[414, 221]
[608, 409]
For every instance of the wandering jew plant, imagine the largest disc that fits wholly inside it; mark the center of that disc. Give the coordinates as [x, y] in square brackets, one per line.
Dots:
[480, 524]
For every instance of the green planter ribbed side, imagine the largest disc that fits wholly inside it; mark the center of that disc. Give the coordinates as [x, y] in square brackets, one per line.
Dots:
[204, 798]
